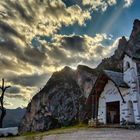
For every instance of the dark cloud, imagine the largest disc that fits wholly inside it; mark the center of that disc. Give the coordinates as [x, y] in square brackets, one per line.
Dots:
[74, 49]
[13, 90]
[16, 96]
[22, 20]
[99, 50]
[22, 57]
[74, 43]
[17, 6]
[24, 61]
[34, 80]
[34, 56]
[10, 48]
[27, 54]
[7, 29]
[5, 64]
[56, 53]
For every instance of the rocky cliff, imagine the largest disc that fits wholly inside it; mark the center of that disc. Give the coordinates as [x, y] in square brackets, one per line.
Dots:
[115, 61]
[59, 103]
[62, 101]
[130, 47]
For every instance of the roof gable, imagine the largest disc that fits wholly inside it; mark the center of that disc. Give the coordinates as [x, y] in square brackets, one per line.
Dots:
[116, 77]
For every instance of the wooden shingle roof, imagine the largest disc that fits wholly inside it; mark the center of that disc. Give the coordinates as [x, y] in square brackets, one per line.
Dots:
[116, 77]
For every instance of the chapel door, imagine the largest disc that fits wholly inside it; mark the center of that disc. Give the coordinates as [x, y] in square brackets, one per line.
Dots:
[113, 112]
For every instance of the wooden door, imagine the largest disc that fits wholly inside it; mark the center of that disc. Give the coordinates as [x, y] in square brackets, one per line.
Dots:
[113, 112]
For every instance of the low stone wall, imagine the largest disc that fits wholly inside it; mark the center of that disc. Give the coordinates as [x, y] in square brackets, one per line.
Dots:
[11, 131]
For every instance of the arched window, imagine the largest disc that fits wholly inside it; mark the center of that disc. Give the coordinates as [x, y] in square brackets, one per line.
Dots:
[127, 66]
[130, 112]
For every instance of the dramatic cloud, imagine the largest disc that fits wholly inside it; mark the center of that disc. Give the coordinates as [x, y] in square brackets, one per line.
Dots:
[99, 4]
[33, 17]
[104, 4]
[21, 20]
[14, 90]
[28, 80]
[63, 50]
[27, 65]
[72, 49]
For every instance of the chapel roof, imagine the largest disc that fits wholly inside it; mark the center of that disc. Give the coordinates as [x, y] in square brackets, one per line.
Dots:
[104, 76]
[116, 77]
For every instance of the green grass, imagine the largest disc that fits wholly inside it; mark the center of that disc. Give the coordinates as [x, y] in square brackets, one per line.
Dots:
[61, 130]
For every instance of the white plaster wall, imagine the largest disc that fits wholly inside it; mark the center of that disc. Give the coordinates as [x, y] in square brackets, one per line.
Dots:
[130, 75]
[131, 78]
[111, 94]
[9, 131]
[132, 94]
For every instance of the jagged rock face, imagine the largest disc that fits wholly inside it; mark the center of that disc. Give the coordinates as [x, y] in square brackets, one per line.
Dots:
[115, 61]
[85, 78]
[135, 32]
[133, 47]
[59, 103]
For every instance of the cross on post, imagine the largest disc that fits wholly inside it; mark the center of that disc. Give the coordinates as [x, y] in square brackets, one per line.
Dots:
[3, 110]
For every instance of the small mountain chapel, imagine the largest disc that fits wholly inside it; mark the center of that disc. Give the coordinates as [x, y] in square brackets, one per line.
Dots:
[115, 96]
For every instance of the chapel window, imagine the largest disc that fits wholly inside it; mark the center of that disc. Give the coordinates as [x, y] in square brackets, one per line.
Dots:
[127, 66]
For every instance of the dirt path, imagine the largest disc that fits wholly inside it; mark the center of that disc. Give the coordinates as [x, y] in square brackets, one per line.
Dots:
[87, 134]
[99, 134]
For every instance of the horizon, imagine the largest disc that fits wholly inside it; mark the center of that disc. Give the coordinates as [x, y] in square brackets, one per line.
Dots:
[40, 37]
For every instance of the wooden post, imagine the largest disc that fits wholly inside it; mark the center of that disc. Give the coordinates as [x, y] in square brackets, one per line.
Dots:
[96, 109]
[92, 107]
[96, 119]
[3, 110]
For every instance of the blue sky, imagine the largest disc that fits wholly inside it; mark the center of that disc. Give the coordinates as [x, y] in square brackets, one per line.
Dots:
[121, 21]
[39, 37]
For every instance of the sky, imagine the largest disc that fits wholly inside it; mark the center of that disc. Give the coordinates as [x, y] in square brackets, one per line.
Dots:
[39, 37]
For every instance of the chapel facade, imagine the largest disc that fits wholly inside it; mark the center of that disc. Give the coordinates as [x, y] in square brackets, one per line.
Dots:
[116, 95]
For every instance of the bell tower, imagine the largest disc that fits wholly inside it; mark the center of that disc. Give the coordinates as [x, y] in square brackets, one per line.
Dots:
[130, 73]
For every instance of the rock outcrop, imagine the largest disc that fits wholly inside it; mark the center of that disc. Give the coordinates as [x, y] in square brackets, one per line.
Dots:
[62, 101]
[115, 61]
[86, 78]
[130, 47]
[59, 103]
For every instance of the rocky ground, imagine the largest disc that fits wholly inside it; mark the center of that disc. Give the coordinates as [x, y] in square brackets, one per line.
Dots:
[100, 134]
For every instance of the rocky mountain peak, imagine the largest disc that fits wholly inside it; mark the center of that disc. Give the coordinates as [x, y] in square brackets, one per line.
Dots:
[122, 42]
[65, 73]
[121, 48]
[136, 29]
[67, 69]
[133, 46]
[86, 68]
